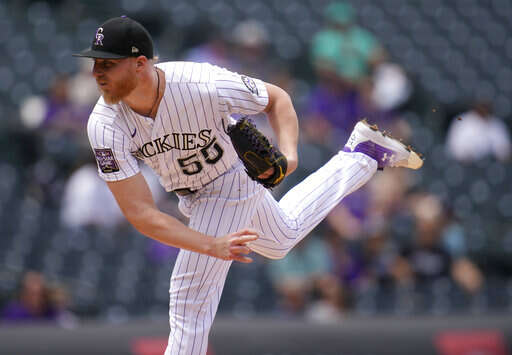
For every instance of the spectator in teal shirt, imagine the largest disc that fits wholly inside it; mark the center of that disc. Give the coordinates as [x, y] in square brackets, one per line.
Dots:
[354, 50]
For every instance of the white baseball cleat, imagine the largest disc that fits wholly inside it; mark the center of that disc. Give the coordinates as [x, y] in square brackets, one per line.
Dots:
[386, 150]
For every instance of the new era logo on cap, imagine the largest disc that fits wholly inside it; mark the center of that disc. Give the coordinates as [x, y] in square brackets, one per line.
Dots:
[120, 37]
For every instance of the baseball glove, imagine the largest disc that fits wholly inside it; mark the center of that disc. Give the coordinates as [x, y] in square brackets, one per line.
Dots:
[256, 152]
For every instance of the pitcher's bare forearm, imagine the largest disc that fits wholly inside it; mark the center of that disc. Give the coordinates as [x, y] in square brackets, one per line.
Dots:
[168, 230]
[284, 122]
[136, 203]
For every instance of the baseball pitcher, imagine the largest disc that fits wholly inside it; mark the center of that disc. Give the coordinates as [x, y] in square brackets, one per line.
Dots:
[176, 117]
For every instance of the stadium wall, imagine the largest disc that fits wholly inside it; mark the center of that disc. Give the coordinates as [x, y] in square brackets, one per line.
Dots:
[354, 336]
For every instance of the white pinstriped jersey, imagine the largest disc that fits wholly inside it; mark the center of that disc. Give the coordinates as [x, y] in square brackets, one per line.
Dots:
[185, 144]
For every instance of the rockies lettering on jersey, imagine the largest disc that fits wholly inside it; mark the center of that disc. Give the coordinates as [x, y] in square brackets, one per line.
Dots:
[181, 141]
[185, 144]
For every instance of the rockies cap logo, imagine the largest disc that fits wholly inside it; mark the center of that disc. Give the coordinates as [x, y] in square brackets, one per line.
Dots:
[99, 37]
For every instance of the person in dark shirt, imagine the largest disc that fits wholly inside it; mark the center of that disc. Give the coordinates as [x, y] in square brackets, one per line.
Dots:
[32, 303]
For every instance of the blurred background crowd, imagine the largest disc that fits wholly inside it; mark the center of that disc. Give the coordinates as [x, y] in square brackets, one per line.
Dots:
[433, 241]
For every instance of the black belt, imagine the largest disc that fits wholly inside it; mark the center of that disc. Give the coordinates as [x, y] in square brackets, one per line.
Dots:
[184, 192]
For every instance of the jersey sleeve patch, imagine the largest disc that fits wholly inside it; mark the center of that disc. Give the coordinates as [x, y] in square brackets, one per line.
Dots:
[251, 85]
[106, 161]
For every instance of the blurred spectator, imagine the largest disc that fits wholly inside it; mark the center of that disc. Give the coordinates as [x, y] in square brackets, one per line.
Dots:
[87, 201]
[351, 217]
[331, 103]
[342, 108]
[377, 105]
[477, 134]
[59, 124]
[251, 54]
[328, 304]
[353, 50]
[391, 87]
[378, 254]
[32, 303]
[56, 110]
[83, 90]
[354, 78]
[303, 275]
[60, 300]
[438, 250]
[39, 301]
[387, 192]
[215, 50]
[347, 219]
[62, 114]
[344, 259]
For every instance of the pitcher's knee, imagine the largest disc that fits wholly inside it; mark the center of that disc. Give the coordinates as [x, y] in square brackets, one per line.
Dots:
[274, 250]
[277, 254]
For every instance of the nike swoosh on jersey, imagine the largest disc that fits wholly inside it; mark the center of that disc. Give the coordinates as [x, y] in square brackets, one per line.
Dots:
[134, 131]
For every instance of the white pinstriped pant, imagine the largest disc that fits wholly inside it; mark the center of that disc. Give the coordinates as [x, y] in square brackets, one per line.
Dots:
[231, 202]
